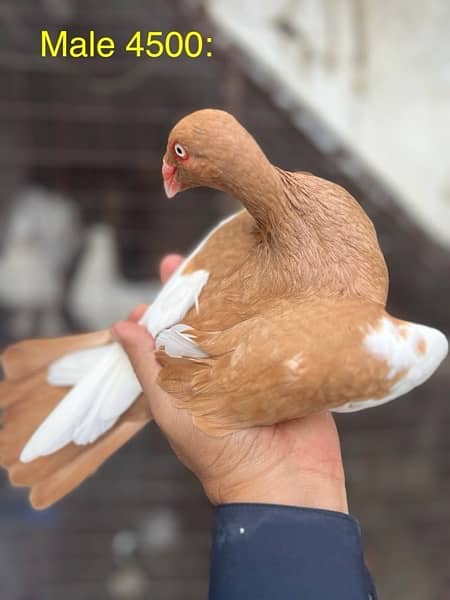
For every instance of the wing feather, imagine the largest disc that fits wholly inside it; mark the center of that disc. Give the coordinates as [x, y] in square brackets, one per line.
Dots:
[71, 368]
[104, 381]
[177, 343]
[89, 409]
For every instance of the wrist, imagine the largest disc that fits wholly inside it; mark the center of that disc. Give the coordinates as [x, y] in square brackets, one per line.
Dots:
[312, 490]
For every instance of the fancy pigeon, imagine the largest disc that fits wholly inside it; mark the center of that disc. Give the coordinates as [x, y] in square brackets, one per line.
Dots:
[32, 273]
[98, 276]
[277, 314]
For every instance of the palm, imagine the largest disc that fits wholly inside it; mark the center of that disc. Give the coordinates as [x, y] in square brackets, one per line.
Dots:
[309, 445]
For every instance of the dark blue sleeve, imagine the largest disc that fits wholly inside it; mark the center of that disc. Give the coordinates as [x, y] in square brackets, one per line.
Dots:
[271, 552]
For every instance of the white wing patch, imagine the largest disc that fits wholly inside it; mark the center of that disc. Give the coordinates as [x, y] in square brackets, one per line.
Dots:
[179, 344]
[180, 293]
[105, 384]
[90, 408]
[177, 297]
[416, 349]
[71, 368]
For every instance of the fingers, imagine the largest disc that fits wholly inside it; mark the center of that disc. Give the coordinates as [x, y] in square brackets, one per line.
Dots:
[136, 314]
[139, 346]
[169, 264]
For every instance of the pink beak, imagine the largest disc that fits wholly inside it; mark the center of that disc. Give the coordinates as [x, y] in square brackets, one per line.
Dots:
[171, 185]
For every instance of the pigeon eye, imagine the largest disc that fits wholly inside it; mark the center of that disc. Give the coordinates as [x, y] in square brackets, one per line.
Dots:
[180, 151]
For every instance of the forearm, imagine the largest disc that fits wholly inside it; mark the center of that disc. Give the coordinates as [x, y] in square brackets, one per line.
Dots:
[269, 551]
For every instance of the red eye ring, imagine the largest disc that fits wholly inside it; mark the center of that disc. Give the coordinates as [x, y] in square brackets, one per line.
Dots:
[180, 151]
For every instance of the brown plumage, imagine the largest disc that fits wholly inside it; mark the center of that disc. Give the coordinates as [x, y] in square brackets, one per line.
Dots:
[25, 401]
[291, 320]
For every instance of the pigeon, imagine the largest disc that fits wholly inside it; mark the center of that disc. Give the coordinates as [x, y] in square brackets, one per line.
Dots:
[98, 276]
[41, 242]
[278, 313]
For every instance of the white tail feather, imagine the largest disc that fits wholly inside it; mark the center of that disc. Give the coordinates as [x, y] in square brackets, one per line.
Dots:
[90, 408]
[105, 384]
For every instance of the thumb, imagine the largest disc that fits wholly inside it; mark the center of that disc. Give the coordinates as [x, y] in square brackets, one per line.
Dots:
[139, 347]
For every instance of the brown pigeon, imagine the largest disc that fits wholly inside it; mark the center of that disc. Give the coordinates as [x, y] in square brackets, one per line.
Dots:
[277, 314]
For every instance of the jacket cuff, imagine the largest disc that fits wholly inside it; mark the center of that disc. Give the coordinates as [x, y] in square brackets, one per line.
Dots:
[267, 551]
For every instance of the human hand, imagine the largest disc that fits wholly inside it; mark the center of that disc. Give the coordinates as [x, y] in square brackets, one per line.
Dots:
[296, 463]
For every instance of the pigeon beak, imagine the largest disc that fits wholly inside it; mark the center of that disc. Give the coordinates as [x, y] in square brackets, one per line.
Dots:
[171, 185]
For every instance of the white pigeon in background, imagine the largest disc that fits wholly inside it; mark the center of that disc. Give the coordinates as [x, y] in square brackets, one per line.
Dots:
[99, 293]
[32, 273]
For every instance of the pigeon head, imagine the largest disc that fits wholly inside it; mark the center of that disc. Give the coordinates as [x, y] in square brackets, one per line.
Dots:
[209, 148]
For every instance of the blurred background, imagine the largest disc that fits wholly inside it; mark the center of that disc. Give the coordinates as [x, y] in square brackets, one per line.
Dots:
[357, 91]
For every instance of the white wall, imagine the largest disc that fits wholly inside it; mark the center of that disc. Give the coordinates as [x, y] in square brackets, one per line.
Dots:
[378, 73]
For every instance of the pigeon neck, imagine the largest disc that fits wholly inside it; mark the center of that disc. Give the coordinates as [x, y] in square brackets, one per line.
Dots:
[257, 186]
